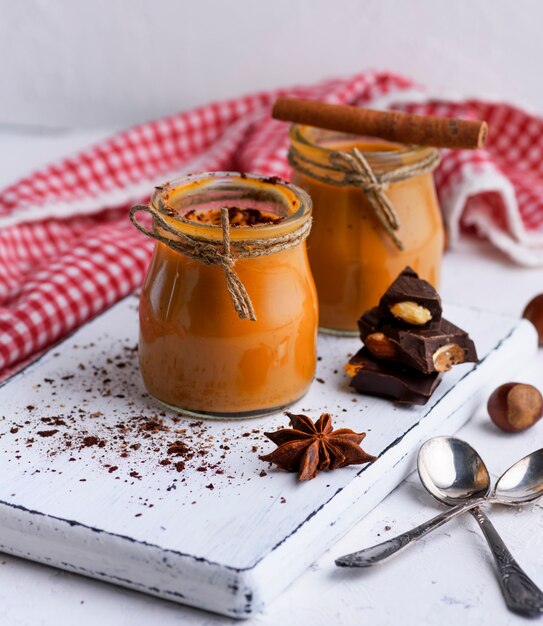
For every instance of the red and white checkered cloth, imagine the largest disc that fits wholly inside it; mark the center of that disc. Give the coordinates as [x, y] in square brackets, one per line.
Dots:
[68, 250]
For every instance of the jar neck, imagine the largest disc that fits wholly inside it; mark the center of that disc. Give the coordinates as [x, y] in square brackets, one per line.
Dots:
[314, 152]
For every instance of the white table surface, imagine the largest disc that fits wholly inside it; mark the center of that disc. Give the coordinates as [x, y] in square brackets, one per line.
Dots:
[447, 578]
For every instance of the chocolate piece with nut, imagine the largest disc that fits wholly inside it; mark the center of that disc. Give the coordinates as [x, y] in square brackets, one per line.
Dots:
[407, 343]
[433, 348]
[389, 379]
[411, 300]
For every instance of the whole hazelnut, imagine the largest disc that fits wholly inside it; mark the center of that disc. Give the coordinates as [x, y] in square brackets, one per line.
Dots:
[515, 406]
[534, 313]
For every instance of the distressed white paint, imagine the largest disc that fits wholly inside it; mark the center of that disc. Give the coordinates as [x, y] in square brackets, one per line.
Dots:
[101, 62]
[243, 542]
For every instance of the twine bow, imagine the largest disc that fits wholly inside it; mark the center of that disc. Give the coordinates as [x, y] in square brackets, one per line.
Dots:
[223, 253]
[358, 172]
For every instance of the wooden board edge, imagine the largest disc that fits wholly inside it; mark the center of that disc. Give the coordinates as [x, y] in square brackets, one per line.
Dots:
[151, 569]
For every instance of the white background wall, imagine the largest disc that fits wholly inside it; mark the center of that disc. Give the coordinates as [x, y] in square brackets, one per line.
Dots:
[99, 63]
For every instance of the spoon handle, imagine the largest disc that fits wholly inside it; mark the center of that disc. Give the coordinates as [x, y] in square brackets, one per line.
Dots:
[387, 549]
[520, 593]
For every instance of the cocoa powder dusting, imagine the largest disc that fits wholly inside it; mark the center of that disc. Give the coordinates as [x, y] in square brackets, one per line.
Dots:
[47, 433]
[90, 441]
[130, 440]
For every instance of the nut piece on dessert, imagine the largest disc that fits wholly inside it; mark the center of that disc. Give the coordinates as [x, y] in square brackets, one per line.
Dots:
[380, 346]
[237, 216]
[411, 313]
[515, 406]
[447, 356]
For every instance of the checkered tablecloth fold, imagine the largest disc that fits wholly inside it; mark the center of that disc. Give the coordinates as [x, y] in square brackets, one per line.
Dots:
[68, 251]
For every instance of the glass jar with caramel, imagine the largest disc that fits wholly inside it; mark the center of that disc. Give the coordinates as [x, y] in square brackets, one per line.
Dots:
[355, 248]
[228, 311]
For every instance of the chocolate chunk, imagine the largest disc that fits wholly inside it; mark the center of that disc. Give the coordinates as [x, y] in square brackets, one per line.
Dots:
[432, 348]
[437, 348]
[372, 322]
[390, 380]
[411, 300]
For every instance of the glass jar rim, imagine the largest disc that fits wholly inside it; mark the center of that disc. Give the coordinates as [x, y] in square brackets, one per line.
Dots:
[295, 196]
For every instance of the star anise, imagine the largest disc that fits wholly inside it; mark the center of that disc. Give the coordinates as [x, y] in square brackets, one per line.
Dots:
[308, 447]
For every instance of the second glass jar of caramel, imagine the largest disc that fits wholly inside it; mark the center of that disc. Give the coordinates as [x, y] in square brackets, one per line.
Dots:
[352, 257]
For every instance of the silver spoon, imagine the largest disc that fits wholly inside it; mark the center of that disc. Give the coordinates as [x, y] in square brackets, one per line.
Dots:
[519, 592]
[454, 473]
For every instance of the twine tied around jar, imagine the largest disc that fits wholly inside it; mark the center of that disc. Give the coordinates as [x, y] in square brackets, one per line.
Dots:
[359, 173]
[223, 253]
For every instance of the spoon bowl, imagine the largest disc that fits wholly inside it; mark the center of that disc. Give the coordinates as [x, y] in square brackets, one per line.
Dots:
[452, 471]
[523, 481]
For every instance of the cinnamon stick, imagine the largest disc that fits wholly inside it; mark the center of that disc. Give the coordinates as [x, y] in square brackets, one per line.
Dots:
[421, 130]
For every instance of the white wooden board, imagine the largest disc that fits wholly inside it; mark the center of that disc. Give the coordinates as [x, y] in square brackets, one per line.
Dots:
[225, 538]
